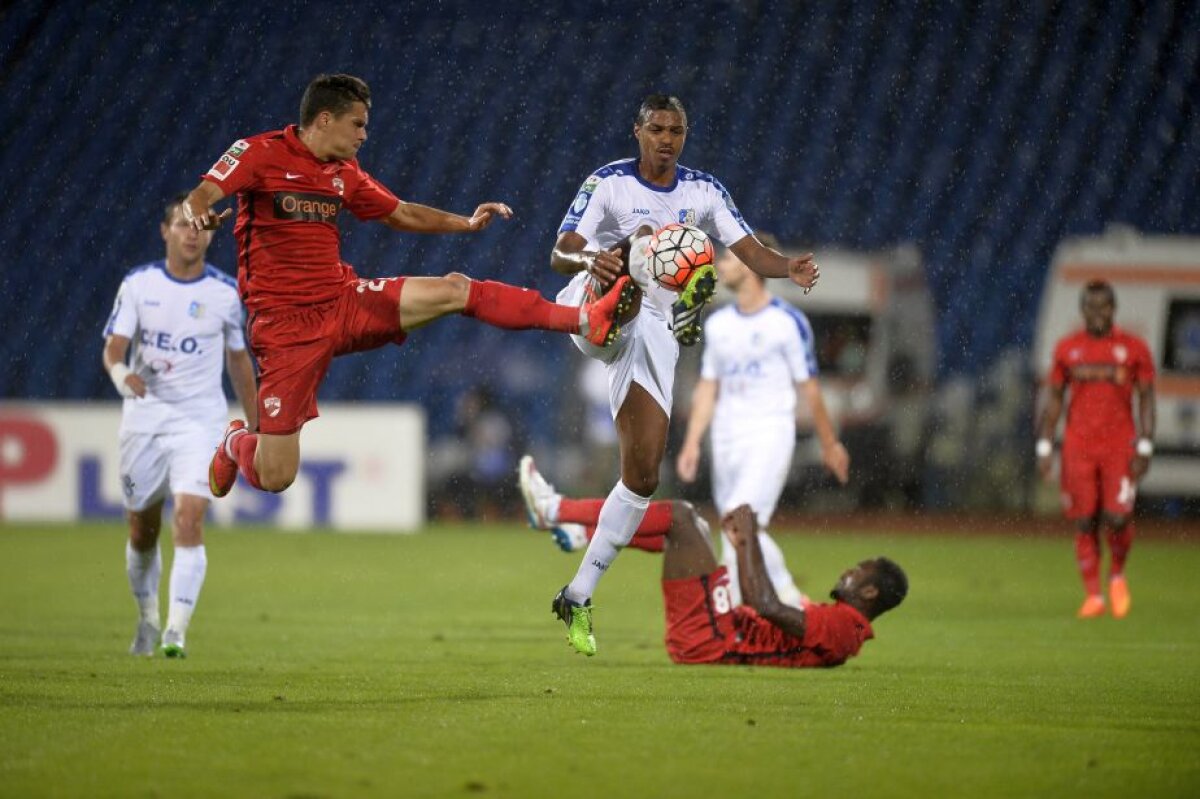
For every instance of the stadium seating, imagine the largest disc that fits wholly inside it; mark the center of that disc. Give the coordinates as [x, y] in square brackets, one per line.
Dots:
[983, 132]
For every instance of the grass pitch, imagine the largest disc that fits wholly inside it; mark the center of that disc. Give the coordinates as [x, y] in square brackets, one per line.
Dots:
[332, 665]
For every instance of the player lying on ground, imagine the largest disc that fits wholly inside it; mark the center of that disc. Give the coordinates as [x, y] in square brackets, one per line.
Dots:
[306, 305]
[572, 524]
[1102, 366]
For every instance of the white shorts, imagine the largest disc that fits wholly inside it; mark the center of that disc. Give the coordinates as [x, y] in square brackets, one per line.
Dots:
[150, 463]
[751, 466]
[645, 352]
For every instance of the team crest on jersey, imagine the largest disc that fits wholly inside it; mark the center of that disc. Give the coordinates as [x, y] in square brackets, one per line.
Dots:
[272, 406]
[687, 216]
[339, 186]
[195, 310]
[224, 167]
[1120, 353]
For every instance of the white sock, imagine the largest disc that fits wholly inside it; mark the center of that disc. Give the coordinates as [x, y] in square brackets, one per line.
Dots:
[777, 571]
[144, 569]
[620, 516]
[187, 577]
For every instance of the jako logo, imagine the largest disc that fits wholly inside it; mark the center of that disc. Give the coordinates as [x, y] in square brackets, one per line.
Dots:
[307, 207]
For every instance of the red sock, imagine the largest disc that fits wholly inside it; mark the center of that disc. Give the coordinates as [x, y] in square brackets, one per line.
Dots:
[516, 308]
[580, 511]
[657, 520]
[244, 447]
[645, 541]
[1087, 555]
[1119, 542]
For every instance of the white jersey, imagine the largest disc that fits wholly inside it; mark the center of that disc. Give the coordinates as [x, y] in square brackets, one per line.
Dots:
[615, 201]
[757, 360]
[179, 331]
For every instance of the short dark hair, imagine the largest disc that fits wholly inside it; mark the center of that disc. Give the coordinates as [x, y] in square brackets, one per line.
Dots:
[892, 583]
[333, 93]
[660, 102]
[172, 204]
[1098, 287]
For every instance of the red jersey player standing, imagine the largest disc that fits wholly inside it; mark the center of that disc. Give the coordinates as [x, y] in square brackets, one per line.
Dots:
[306, 305]
[1103, 454]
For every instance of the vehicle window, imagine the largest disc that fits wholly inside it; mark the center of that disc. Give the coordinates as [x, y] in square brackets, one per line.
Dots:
[1181, 350]
[841, 342]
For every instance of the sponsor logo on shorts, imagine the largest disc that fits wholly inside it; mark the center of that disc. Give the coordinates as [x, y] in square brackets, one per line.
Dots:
[272, 406]
[307, 207]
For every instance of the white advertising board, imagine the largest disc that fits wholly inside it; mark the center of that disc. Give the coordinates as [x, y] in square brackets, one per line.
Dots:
[362, 468]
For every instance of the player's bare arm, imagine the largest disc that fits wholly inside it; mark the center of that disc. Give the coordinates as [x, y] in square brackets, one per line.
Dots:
[416, 218]
[741, 527]
[1046, 428]
[198, 207]
[127, 383]
[704, 401]
[833, 453]
[802, 270]
[1147, 420]
[570, 255]
[241, 376]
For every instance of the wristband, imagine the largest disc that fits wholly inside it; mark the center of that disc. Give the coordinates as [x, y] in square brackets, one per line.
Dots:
[1043, 448]
[1145, 447]
[118, 372]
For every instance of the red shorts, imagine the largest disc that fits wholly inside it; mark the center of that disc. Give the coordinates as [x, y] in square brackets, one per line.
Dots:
[699, 617]
[1091, 482]
[295, 344]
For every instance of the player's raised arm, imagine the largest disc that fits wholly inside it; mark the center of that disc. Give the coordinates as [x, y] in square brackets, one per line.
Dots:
[416, 218]
[741, 527]
[802, 270]
[198, 207]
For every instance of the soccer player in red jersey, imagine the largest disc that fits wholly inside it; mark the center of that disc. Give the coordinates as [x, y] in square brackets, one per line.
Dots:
[306, 305]
[703, 625]
[1103, 454]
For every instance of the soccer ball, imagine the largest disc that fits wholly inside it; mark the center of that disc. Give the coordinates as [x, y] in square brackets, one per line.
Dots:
[675, 253]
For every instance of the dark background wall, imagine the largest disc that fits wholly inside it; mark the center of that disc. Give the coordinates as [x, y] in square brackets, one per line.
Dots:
[983, 132]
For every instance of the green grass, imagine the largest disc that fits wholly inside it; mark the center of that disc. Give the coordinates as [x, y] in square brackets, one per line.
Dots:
[357, 665]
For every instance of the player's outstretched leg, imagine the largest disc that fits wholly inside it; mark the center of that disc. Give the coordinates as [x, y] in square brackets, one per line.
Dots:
[223, 469]
[685, 313]
[578, 618]
[541, 500]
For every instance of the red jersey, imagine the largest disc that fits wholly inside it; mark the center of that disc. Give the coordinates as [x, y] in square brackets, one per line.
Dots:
[289, 248]
[833, 633]
[1100, 372]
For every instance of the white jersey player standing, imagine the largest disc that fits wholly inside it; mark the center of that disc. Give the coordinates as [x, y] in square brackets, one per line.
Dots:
[758, 358]
[623, 199]
[184, 320]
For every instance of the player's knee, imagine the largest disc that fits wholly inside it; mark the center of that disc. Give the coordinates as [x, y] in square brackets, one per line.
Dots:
[276, 480]
[455, 289]
[1114, 521]
[143, 531]
[1087, 526]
